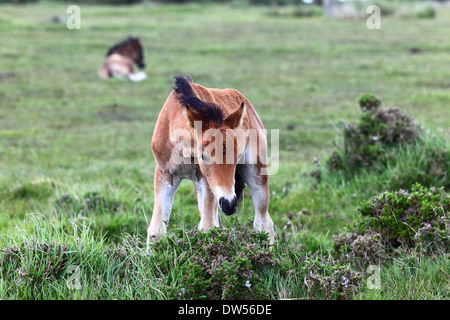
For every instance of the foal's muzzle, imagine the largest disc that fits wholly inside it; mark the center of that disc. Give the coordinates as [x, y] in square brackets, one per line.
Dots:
[228, 207]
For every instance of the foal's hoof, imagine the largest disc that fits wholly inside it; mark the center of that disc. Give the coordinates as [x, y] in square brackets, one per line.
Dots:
[150, 242]
[151, 239]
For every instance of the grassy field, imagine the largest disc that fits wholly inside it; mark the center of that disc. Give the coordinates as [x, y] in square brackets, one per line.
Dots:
[75, 160]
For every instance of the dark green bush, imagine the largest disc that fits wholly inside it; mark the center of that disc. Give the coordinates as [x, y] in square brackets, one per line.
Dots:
[219, 264]
[387, 141]
[397, 216]
[367, 143]
[235, 263]
[419, 219]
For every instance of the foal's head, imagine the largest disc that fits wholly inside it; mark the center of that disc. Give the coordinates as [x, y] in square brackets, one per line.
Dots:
[220, 143]
[130, 48]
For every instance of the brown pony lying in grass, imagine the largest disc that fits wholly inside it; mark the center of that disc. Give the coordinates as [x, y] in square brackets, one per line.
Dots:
[120, 60]
[215, 138]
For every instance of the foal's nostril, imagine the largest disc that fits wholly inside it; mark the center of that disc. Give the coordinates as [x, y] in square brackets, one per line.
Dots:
[228, 207]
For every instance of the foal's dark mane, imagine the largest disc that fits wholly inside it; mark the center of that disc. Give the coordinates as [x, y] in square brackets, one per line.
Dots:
[121, 45]
[187, 97]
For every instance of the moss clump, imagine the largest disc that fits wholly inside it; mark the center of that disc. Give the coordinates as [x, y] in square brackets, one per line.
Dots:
[416, 219]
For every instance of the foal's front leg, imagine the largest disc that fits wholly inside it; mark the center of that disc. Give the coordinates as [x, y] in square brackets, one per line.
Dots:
[209, 212]
[166, 185]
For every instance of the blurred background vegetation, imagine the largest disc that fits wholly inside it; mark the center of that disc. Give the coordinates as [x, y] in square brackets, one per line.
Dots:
[262, 2]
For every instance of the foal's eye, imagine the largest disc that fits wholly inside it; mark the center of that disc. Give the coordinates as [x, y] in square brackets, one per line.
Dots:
[204, 158]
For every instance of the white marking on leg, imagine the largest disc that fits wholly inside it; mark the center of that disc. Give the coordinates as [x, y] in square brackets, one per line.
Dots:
[162, 210]
[205, 223]
[260, 198]
[166, 195]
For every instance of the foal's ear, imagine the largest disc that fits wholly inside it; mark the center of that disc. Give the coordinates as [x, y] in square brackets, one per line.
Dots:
[192, 115]
[235, 119]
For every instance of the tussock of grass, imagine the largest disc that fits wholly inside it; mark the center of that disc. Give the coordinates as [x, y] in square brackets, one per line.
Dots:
[412, 276]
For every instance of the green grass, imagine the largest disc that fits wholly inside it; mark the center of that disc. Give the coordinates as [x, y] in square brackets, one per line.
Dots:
[412, 278]
[75, 148]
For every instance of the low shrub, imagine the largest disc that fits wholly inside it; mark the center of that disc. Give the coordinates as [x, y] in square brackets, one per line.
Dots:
[328, 278]
[366, 143]
[236, 264]
[388, 142]
[418, 219]
[218, 264]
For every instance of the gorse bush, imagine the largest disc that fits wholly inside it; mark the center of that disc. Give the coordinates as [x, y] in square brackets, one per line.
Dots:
[387, 141]
[367, 143]
[418, 219]
[326, 277]
[398, 216]
[218, 264]
[239, 264]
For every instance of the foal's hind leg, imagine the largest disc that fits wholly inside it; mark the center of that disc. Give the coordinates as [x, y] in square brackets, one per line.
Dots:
[259, 187]
[165, 187]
